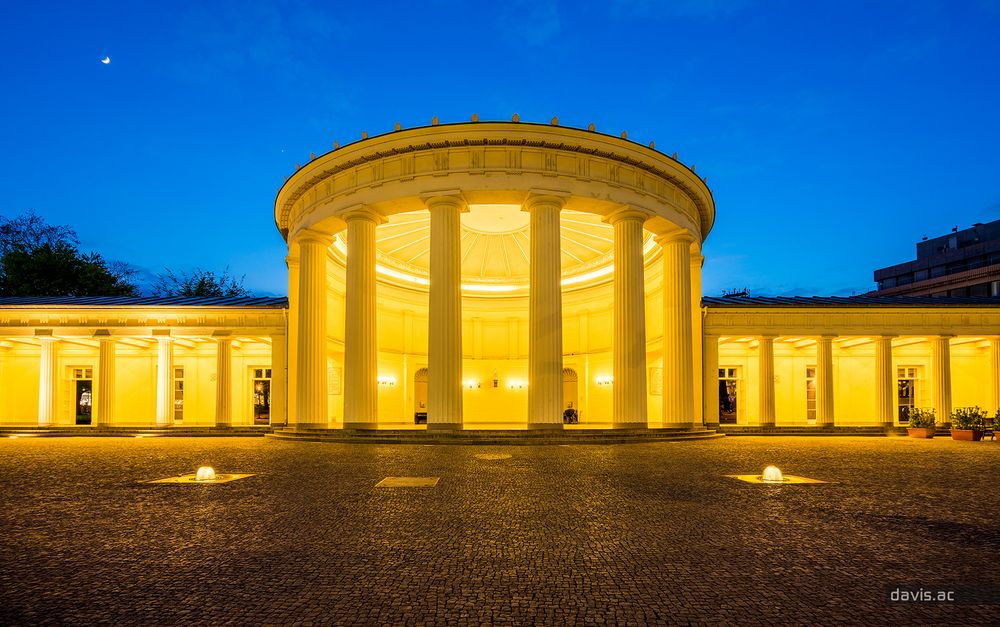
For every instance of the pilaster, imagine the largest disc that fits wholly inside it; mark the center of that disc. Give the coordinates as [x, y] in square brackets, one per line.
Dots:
[824, 381]
[765, 368]
[941, 376]
[223, 381]
[104, 402]
[885, 382]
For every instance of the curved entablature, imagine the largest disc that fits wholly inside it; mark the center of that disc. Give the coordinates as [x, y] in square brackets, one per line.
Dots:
[495, 163]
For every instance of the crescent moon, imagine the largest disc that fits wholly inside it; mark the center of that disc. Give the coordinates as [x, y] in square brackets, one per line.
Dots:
[106, 60]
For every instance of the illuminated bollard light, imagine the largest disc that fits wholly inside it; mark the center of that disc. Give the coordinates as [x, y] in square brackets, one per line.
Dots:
[205, 473]
[771, 474]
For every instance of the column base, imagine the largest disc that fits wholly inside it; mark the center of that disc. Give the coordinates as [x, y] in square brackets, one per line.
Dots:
[223, 425]
[679, 425]
[630, 425]
[712, 425]
[369, 426]
[545, 426]
[309, 425]
[444, 426]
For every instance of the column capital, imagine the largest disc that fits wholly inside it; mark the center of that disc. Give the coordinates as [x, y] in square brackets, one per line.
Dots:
[672, 237]
[222, 334]
[827, 336]
[886, 336]
[766, 336]
[697, 259]
[292, 261]
[363, 212]
[445, 198]
[544, 198]
[625, 213]
[102, 334]
[311, 236]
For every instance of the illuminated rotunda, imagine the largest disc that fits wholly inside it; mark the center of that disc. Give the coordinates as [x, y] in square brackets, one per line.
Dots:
[496, 275]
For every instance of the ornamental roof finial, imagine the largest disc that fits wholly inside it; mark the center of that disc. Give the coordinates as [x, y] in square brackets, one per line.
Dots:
[475, 117]
[434, 121]
[397, 126]
[515, 118]
[624, 134]
[555, 121]
[591, 127]
[364, 135]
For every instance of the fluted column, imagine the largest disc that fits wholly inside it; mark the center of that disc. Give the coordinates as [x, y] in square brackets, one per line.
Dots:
[824, 381]
[629, 322]
[545, 385]
[765, 369]
[46, 381]
[678, 375]
[292, 346]
[223, 382]
[164, 381]
[941, 375]
[311, 402]
[710, 366]
[994, 372]
[104, 410]
[279, 380]
[361, 337]
[697, 345]
[885, 382]
[444, 337]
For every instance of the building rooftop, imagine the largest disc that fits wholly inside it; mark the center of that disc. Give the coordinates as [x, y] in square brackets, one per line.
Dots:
[144, 301]
[848, 301]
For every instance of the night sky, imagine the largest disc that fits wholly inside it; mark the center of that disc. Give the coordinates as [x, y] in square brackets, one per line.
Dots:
[833, 134]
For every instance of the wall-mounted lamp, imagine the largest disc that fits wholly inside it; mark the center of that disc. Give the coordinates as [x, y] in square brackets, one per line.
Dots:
[471, 384]
[496, 380]
[604, 380]
[386, 382]
[517, 384]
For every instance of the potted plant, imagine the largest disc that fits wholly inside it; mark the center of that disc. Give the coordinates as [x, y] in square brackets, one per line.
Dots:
[967, 423]
[921, 422]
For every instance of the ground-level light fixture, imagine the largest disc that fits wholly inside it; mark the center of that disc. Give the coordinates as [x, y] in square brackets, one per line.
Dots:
[205, 473]
[772, 474]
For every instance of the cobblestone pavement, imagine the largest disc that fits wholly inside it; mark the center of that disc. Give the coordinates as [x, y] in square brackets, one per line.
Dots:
[626, 534]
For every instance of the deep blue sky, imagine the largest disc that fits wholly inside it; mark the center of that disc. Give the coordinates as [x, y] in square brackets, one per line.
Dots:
[833, 134]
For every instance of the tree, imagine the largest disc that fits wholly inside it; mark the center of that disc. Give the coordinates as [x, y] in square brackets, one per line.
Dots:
[199, 282]
[41, 259]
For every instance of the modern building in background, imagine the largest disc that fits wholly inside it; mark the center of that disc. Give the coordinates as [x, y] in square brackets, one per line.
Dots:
[962, 263]
[497, 275]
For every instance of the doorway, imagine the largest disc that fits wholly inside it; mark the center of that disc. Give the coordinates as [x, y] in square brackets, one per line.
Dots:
[420, 397]
[83, 379]
[729, 395]
[906, 396]
[571, 408]
[261, 386]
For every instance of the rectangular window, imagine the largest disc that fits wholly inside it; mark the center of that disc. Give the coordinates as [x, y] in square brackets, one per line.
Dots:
[920, 275]
[178, 395]
[937, 271]
[811, 393]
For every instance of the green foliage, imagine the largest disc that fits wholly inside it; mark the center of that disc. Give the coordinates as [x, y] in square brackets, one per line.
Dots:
[921, 418]
[199, 282]
[968, 418]
[40, 259]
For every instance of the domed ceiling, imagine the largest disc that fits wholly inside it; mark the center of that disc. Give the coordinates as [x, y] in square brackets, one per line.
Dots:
[495, 248]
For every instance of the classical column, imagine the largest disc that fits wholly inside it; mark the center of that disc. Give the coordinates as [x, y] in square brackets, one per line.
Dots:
[361, 334]
[223, 381]
[104, 403]
[697, 346]
[678, 376]
[279, 380]
[765, 369]
[164, 381]
[311, 392]
[629, 322]
[46, 381]
[941, 359]
[994, 371]
[710, 366]
[292, 342]
[885, 382]
[545, 384]
[444, 336]
[824, 381]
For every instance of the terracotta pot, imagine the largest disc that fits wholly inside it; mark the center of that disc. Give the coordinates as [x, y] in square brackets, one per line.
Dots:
[919, 432]
[971, 435]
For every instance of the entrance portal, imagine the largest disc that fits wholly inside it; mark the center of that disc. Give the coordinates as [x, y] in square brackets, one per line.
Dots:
[83, 395]
[420, 397]
[261, 396]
